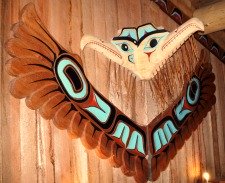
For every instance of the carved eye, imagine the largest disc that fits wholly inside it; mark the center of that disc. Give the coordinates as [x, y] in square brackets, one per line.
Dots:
[153, 43]
[124, 47]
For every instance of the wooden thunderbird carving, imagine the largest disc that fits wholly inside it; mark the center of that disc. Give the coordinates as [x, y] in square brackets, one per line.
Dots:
[53, 81]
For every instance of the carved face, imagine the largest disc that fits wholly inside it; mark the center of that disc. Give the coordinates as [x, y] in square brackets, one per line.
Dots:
[145, 49]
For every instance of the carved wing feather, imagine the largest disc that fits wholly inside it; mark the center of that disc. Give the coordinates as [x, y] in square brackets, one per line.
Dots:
[36, 59]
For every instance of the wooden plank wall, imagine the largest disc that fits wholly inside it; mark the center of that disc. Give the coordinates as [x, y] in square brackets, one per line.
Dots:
[33, 150]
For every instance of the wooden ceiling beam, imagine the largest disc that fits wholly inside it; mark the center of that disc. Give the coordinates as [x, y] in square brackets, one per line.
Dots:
[212, 16]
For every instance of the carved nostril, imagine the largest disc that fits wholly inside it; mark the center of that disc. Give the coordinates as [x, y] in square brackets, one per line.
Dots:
[149, 54]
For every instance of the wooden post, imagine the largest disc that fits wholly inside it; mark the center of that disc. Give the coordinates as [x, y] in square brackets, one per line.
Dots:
[213, 17]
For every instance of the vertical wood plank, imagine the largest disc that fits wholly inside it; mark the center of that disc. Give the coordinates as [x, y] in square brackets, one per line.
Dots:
[28, 138]
[45, 144]
[10, 123]
[1, 89]
[46, 162]
[88, 27]
[90, 70]
[218, 115]
[208, 143]
[28, 144]
[102, 69]
[79, 154]
[80, 162]
[59, 25]
[111, 24]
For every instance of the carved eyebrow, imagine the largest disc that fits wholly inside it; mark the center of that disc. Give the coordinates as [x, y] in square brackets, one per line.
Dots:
[126, 38]
[138, 42]
[150, 33]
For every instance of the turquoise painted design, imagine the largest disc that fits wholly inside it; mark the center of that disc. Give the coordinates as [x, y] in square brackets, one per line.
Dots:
[196, 94]
[180, 112]
[122, 132]
[145, 29]
[169, 129]
[102, 113]
[162, 136]
[66, 82]
[137, 34]
[136, 142]
[159, 139]
[129, 33]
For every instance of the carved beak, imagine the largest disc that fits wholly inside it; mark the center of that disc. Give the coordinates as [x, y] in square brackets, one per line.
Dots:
[107, 49]
[175, 39]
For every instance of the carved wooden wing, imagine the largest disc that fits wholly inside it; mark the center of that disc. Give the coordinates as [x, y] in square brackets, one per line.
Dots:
[169, 130]
[53, 81]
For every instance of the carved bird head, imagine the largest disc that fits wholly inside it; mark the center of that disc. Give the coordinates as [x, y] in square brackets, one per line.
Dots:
[144, 49]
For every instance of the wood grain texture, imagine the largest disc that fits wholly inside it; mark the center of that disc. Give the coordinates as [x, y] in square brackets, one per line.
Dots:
[213, 21]
[56, 158]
